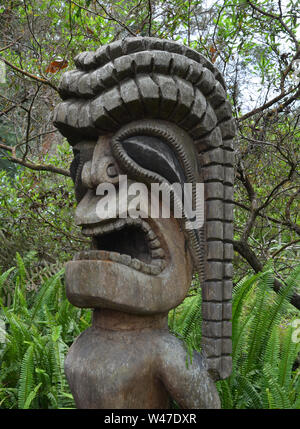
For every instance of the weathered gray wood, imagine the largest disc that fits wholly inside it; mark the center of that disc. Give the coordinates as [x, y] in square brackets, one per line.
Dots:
[119, 98]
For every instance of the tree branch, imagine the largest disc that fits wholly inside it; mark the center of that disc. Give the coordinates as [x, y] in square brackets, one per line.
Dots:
[110, 16]
[278, 18]
[271, 219]
[31, 165]
[246, 252]
[38, 167]
[11, 44]
[31, 76]
[285, 247]
[266, 105]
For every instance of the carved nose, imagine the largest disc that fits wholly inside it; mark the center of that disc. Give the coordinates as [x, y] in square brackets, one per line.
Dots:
[111, 171]
[104, 170]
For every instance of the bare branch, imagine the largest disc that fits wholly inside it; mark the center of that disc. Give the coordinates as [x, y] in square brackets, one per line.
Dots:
[10, 45]
[30, 164]
[110, 16]
[278, 18]
[291, 243]
[266, 105]
[247, 253]
[150, 17]
[31, 76]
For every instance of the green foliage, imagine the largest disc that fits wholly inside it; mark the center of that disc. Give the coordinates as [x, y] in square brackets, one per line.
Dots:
[40, 326]
[264, 355]
[263, 351]
[254, 45]
[37, 214]
[255, 52]
[7, 137]
[185, 322]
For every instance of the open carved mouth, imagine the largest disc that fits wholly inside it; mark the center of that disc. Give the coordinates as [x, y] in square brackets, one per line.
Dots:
[131, 242]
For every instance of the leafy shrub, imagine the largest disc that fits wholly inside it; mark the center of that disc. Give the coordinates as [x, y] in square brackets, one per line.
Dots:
[264, 373]
[40, 326]
[37, 213]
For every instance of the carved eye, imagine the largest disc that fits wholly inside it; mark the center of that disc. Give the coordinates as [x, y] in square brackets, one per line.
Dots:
[157, 156]
[153, 154]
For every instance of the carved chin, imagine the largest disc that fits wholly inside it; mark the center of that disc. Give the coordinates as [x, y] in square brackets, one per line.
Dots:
[133, 267]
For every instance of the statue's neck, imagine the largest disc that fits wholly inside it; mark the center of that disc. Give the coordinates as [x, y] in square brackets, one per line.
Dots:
[117, 321]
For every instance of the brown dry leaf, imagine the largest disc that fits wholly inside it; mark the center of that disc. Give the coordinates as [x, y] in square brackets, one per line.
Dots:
[56, 65]
[90, 31]
[214, 53]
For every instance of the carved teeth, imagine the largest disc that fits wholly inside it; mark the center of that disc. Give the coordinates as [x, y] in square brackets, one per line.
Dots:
[151, 235]
[136, 264]
[114, 256]
[119, 224]
[154, 244]
[130, 221]
[158, 253]
[91, 255]
[125, 259]
[145, 226]
[154, 268]
[146, 269]
[106, 228]
[109, 226]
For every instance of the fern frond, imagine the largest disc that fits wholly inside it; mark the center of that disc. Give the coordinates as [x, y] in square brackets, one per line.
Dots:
[271, 353]
[22, 273]
[288, 355]
[257, 332]
[26, 377]
[279, 395]
[45, 293]
[251, 397]
[225, 394]
[4, 276]
[31, 396]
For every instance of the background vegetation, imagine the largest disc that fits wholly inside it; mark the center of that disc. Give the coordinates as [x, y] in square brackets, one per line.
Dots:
[255, 44]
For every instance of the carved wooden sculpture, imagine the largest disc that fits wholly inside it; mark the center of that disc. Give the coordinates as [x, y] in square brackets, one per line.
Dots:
[157, 112]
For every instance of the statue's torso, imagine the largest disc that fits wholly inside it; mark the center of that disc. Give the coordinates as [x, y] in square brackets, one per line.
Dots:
[113, 369]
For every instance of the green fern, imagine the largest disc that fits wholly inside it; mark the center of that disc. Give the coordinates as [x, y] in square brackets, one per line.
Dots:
[263, 350]
[31, 396]
[26, 377]
[226, 396]
[40, 325]
[288, 352]
[251, 397]
[22, 273]
[48, 289]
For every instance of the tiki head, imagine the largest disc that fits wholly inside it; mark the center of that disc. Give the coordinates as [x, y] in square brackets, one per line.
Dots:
[151, 112]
